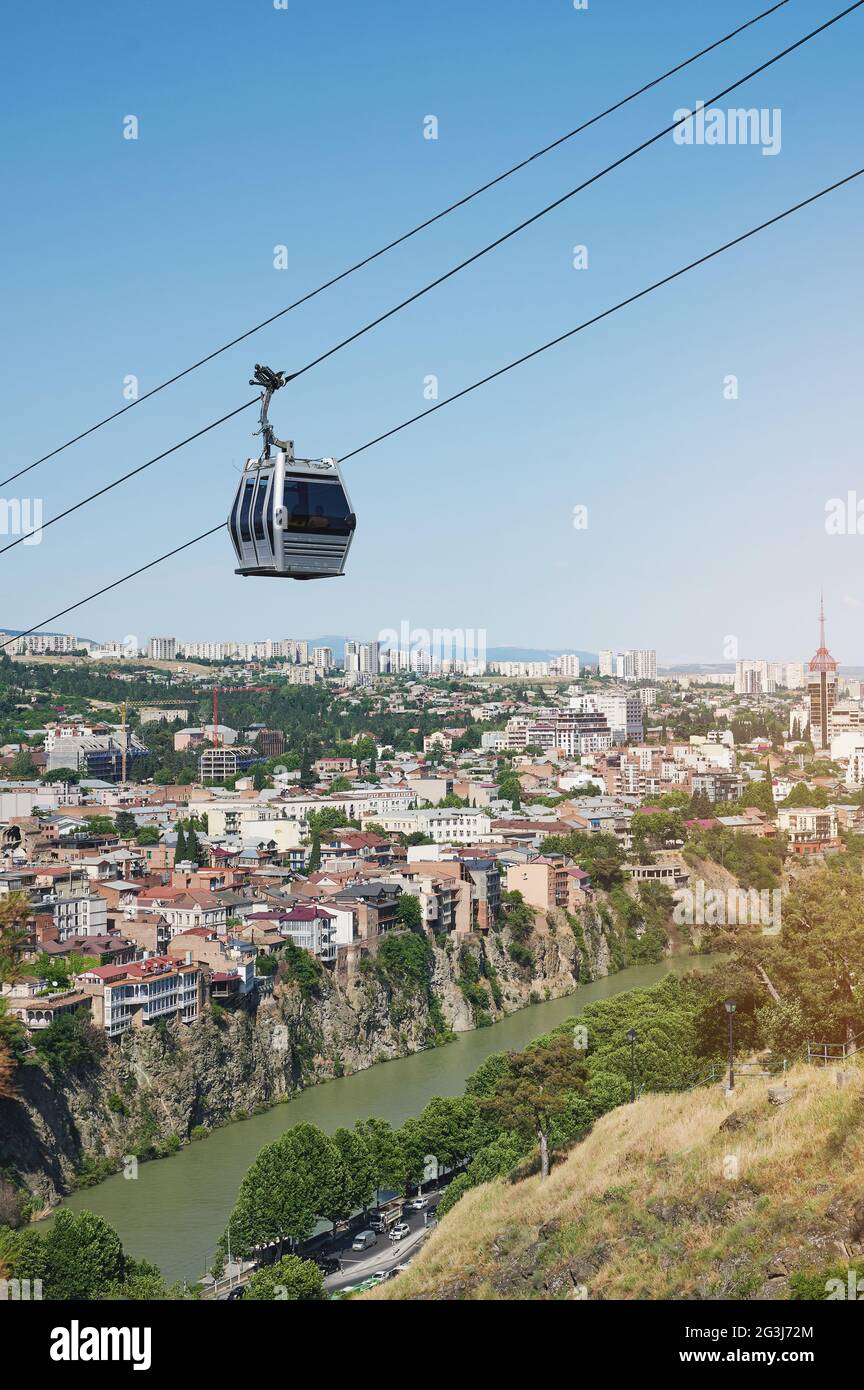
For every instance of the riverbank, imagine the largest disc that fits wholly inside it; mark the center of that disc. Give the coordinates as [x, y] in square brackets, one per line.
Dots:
[174, 1211]
[156, 1089]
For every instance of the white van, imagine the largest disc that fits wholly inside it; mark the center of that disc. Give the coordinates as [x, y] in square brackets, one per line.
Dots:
[363, 1240]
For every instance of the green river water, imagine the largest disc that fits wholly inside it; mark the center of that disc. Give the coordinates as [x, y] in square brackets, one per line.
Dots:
[175, 1210]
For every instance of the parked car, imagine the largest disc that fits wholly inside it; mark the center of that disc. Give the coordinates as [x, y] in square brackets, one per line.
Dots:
[363, 1240]
[418, 1203]
[328, 1264]
[400, 1231]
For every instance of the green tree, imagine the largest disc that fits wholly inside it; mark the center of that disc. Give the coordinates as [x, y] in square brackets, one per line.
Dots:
[81, 1257]
[180, 852]
[288, 1280]
[389, 1168]
[409, 911]
[125, 824]
[534, 1090]
[148, 835]
[283, 1191]
[359, 1167]
[22, 765]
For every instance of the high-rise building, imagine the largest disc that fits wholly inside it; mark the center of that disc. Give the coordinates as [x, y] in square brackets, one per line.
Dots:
[634, 665]
[606, 664]
[565, 665]
[822, 689]
[322, 658]
[754, 677]
[162, 648]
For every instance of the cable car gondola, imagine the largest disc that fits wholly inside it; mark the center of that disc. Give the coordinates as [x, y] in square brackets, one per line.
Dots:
[292, 517]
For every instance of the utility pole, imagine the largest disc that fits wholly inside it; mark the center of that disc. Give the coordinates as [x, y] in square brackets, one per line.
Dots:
[729, 1006]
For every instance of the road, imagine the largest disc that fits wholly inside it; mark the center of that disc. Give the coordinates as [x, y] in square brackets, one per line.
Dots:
[358, 1265]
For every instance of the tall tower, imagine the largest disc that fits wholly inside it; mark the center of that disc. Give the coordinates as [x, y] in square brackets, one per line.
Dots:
[822, 689]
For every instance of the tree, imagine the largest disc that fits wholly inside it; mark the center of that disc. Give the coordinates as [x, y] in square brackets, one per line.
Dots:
[148, 835]
[22, 764]
[62, 774]
[534, 1090]
[15, 913]
[409, 911]
[449, 1127]
[598, 853]
[98, 825]
[359, 1167]
[81, 1257]
[7, 1071]
[194, 853]
[125, 824]
[817, 961]
[290, 1279]
[71, 1041]
[388, 1159]
[180, 853]
[284, 1190]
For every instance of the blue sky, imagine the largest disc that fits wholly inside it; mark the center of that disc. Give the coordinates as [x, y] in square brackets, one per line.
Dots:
[303, 127]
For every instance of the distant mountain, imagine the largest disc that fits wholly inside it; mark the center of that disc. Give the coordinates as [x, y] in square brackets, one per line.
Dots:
[337, 644]
[19, 631]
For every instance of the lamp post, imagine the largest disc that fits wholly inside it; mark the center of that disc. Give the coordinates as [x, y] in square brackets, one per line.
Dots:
[632, 1039]
[729, 1006]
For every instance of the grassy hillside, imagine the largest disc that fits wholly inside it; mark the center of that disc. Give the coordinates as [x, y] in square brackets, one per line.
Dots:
[682, 1196]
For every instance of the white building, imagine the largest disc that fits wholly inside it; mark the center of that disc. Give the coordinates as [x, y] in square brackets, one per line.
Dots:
[162, 648]
[444, 825]
[623, 715]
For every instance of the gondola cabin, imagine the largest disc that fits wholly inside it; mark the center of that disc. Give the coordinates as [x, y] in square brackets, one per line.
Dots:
[291, 518]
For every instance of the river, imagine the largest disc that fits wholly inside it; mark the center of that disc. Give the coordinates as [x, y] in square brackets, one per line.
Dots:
[174, 1212]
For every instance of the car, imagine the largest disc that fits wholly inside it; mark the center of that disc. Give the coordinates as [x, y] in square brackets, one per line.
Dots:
[379, 1276]
[418, 1203]
[328, 1264]
[363, 1240]
[400, 1231]
[234, 1294]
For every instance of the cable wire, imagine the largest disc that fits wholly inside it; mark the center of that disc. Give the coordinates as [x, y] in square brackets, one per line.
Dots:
[553, 342]
[454, 270]
[405, 236]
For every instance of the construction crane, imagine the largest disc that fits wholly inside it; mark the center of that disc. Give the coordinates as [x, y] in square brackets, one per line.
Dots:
[124, 727]
[229, 690]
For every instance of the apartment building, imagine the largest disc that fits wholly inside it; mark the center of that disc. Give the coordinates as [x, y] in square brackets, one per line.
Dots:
[811, 829]
[132, 996]
[182, 908]
[444, 825]
[547, 883]
[78, 914]
[623, 714]
[162, 648]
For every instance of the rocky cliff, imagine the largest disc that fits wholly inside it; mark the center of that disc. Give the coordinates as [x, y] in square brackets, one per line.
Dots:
[160, 1087]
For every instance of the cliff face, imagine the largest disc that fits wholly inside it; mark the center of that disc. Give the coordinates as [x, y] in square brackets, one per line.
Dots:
[156, 1087]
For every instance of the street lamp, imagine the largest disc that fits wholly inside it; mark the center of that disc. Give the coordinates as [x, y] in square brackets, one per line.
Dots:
[729, 1006]
[632, 1037]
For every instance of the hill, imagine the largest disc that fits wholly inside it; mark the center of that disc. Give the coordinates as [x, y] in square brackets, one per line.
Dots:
[686, 1196]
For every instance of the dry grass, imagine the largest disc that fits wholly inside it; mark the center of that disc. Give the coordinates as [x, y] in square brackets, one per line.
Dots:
[661, 1202]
